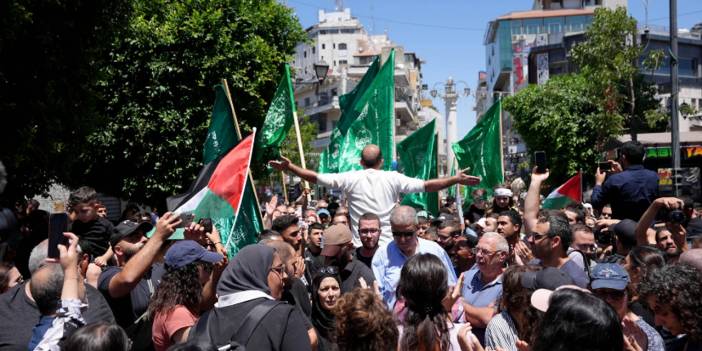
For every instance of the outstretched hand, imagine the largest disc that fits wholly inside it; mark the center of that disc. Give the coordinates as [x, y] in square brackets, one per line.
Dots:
[281, 164]
[467, 179]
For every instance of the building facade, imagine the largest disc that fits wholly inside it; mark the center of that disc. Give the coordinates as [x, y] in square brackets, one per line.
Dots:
[340, 41]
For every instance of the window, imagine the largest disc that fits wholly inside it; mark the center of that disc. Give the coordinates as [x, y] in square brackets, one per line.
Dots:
[333, 45]
[324, 46]
[533, 26]
[307, 101]
[314, 49]
[304, 54]
[343, 62]
[342, 46]
[554, 25]
[334, 92]
[516, 27]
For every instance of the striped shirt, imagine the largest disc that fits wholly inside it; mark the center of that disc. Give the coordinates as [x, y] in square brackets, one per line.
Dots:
[501, 332]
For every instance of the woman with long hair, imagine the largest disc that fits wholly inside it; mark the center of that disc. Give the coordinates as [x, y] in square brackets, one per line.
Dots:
[639, 261]
[176, 304]
[426, 323]
[517, 318]
[326, 290]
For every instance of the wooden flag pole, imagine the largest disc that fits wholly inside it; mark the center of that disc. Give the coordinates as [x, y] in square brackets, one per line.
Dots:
[238, 133]
[285, 189]
[299, 147]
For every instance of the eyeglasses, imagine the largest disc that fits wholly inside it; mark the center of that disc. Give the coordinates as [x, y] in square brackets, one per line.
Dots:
[482, 252]
[456, 233]
[369, 230]
[537, 236]
[333, 270]
[280, 270]
[405, 234]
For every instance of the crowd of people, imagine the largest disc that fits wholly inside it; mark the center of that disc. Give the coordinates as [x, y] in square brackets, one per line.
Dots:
[622, 272]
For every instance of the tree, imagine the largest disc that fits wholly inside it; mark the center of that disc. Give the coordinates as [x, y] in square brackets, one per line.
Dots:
[50, 55]
[609, 59]
[158, 88]
[563, 119]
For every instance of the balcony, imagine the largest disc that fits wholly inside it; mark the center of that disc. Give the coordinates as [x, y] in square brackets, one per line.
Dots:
[324, 104]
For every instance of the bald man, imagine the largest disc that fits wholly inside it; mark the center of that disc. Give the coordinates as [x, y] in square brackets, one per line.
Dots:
[373, 190]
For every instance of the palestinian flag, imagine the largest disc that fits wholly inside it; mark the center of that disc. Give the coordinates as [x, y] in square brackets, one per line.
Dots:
[570, 191]
[220, 198]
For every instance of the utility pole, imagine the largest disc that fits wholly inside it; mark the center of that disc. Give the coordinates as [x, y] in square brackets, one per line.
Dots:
[674, 122]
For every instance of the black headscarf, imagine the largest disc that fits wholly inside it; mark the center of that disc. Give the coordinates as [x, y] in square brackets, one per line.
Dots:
[247, 271]
[323, 320]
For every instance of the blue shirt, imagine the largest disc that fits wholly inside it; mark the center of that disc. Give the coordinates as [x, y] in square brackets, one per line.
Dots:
[479, 294]
[388, 262]
[629, 192]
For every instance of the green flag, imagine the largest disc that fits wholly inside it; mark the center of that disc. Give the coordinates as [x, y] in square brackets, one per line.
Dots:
[479, 150]
[329, 159]
[375, 121]
[417, 157]
[278, 121]
[222, 137]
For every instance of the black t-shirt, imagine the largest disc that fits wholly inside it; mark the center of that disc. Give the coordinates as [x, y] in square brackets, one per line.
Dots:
[94, 236]
[368, 261]
[128, 308]
[282, 329]
[350, 274]
[296, 295]
[19, 315]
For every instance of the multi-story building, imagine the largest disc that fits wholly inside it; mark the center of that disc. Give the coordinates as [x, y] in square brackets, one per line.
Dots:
[341, 42]
[508, 42]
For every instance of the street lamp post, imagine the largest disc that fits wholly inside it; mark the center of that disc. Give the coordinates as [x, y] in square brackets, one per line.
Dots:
[674, 122]
[450, 97]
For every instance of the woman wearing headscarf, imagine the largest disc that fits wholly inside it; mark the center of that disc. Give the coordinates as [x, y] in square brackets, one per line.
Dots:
[326, 291]
[248, 312]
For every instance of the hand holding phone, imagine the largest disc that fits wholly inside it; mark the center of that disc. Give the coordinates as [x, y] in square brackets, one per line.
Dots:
[58, 224]
[540, 161]
[604, 166]
[186, 218]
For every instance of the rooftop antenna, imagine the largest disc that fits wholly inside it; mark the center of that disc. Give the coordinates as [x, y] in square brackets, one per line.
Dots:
[339, 5]
[645, 2]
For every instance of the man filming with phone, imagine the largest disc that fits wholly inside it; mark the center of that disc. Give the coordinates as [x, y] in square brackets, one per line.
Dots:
[629, 188]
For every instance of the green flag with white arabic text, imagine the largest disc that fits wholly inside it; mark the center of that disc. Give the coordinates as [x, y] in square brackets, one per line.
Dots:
[417, 157]
[278, 121]
[479, 150]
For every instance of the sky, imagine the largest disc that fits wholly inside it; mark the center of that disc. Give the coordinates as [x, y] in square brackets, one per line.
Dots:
[448, 34]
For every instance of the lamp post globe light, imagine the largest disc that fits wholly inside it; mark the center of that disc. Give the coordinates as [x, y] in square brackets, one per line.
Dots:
[449, 134]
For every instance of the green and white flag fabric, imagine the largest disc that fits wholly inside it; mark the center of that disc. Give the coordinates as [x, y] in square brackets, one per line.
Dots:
[479, 150]
[329, 159]
[417, 158]
[278, 121]
[375, 123]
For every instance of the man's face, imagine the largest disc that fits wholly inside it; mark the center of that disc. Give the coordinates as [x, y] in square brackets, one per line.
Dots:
[311, 219]
[446, 236]
[102, 211]
[606, 213]
[464, 257]
[490, 225]
[315, 237]
[502, 201]
[324, 219]
[405, 237]
[292, 236]
[422, 228]
[85, 212]
[487, 257]
[131, 244]
[585, 242]
[479, 202]
[572, 217]
[615, 298]
[341, 220]
[664, 242]
[369, 231]
[505, 227]
[541, 244]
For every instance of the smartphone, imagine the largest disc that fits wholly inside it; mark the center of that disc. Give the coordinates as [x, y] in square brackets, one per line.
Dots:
[604, 166]
[186, 219]
[58, 224]
[207, 223]
[540, 161]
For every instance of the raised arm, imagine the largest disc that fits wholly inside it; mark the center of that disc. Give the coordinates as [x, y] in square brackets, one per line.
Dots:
[532, 201]
[285, 165]
[461, 177]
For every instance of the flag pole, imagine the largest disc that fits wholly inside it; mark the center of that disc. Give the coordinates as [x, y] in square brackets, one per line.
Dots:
[299, 145]
[285, 189]
[502, 152]
[436, 151]
[238, 133]
[580, 174]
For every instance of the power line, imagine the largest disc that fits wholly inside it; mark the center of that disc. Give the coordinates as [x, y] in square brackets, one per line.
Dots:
[679, 15]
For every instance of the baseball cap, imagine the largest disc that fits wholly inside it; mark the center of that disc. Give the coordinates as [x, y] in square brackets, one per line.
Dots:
[127, 228]
[540, 299]
[625, 231]
[548, 278]
[610, 276]
[422, 214]
[185, 252]
[334, 237]
[323, 211]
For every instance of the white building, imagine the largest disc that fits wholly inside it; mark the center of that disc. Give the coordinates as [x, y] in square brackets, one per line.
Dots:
[340, 41]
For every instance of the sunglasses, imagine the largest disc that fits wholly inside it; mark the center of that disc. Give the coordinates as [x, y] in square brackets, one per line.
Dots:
[280, 270]
[333, 270]
[403, 234]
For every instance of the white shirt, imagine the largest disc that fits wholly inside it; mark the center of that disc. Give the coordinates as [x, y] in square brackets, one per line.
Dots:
[371, 191]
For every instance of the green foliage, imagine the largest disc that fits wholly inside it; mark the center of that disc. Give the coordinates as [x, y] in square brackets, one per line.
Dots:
[158, 88]
[562, 118]
[608, 58]
[50, 55]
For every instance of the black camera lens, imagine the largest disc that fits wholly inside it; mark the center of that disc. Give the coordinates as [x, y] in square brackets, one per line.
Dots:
[676, 216]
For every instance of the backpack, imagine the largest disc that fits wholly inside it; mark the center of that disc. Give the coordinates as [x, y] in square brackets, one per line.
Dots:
[241, 335]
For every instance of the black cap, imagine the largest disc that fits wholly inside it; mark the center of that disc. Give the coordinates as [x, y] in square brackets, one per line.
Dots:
[126, 228]
[548, 278]
[625, 231]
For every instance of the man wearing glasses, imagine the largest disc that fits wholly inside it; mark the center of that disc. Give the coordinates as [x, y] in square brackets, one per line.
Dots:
[482, 284]
[389, 259]
[369, 230]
